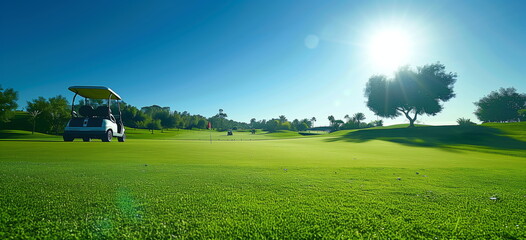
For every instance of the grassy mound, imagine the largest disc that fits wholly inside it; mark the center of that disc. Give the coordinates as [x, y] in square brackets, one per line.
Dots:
[507, 138]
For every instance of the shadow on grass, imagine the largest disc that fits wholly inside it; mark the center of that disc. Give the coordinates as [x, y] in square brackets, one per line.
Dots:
[439, 136]
[31, 140]
[14, 136]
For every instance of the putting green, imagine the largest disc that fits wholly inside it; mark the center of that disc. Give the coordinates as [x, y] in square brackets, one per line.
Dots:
[343, 185]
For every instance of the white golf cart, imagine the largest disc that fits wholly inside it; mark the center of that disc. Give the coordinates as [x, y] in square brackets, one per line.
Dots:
[91, 123]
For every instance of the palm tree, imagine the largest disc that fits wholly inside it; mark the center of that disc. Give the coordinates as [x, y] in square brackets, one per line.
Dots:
[359, 117]
[347, 117]
[331, 119]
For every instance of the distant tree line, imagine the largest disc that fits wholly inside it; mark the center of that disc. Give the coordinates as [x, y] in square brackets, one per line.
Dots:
[352, 122]
[156, 117]
[52, 114]
[410, 92]
[282, 123]
[221, 123]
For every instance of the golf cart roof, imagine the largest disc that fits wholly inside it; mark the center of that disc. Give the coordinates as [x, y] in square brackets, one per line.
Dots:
[95, 92]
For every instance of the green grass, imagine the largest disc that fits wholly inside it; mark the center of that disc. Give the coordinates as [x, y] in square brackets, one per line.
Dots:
[506, 138]
[205, 135]
[340, 185]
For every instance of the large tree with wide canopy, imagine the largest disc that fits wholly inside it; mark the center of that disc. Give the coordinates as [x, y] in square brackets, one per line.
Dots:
[410, 92]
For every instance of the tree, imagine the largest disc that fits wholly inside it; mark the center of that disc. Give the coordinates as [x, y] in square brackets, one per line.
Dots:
[54, 113]
[60, 112]
[410, 92]
[303, 126]
[522, 114]
[500, 106]
[201, 124]
[307, 122]
[221, 115]
[331, 119]
[272, 125]
[152, 110]
[377, 123]
[154, 125]
[347, 117]
[33, 117]
[295, 125]
[40, 104]
[313, 120]
[129, 114]
[285, 125]
[337, 124]
[8, 105]
[282, 118]
[167, 120]
[358, 117]
[140, 119]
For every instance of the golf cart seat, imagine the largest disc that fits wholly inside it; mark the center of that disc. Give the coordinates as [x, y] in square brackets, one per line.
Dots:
[87, 111]
[104, 112]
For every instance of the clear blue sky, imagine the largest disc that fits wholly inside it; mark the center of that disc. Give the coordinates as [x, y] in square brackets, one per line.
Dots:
[256, 59]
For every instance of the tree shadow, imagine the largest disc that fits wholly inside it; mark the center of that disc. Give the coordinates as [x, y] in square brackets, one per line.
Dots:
[30, 140]
[23, 137]
[483, 138]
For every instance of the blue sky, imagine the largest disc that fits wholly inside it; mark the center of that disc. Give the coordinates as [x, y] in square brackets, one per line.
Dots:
[256, 59]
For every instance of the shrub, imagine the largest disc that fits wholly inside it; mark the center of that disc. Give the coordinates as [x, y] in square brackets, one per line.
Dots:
[465, 122]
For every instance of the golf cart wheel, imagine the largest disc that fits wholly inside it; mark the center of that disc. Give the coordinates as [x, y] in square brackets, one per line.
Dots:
[108, 136]
[123, 138]
[86, 139]
[68, 138]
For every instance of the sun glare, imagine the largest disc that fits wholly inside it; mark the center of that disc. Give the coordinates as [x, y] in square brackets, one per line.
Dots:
[389, 49]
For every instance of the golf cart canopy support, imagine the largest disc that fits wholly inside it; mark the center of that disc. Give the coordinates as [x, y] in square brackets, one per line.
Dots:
[95, 92]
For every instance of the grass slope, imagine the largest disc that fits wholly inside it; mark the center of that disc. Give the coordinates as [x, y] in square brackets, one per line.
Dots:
[508, 138]
[307, 187]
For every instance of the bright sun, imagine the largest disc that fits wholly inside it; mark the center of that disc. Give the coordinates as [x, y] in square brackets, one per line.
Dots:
[389, 49]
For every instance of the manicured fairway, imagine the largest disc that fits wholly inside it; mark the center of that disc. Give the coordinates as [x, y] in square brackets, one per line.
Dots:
[306, 187]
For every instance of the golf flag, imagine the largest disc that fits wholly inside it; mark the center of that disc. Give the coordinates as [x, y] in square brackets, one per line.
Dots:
[209, 125]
